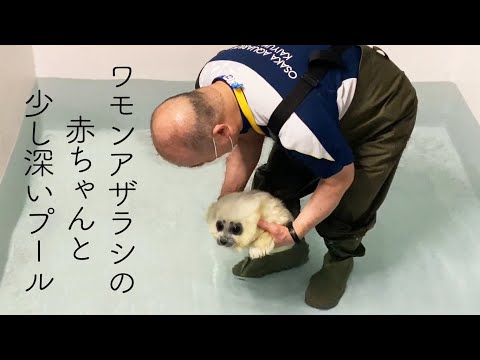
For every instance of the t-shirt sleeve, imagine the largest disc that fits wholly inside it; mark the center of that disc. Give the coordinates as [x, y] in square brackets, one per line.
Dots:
[328, 151]
[197, 82]
[324, 168]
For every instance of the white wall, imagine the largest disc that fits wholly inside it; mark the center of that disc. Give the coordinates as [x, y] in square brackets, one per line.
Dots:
[171, 62]
[456, 63]
[182, 62]
[164, 62]
[424, 62]
[17, 77]
[467, 76]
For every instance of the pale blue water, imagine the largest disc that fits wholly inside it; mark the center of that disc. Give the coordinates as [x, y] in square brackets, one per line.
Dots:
[421, 256]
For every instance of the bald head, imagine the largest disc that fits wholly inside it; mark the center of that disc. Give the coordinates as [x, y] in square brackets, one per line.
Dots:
[194, 128]
[182, 126]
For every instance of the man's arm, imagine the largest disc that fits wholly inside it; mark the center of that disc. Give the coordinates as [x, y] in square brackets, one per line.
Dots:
[324, 200]
[242, 162]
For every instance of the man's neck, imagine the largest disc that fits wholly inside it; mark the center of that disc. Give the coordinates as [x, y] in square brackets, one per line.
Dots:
[231, 114]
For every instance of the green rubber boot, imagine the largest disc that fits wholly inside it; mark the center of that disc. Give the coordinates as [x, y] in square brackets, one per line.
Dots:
[326, 287]
[285, 260]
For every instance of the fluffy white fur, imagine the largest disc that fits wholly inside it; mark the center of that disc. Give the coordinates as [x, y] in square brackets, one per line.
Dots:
[247, 208]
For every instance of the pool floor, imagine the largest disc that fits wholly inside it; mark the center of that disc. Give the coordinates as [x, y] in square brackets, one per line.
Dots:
[421, 256]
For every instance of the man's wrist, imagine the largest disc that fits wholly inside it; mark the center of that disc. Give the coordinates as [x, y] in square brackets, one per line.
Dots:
[293, 233]
[230, 191]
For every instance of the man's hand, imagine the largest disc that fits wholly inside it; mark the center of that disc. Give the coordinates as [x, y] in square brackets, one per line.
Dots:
[281, 235]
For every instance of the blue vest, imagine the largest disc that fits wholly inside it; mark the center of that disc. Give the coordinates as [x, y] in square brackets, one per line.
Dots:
[268, 73]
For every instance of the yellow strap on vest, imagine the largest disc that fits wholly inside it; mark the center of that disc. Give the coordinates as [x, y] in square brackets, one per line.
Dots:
[242, 101]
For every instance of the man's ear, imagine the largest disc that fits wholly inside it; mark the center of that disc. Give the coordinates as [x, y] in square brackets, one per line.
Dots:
[223, 130]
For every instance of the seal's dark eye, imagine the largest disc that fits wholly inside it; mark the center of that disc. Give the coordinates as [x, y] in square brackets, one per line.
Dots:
[236, 229]
[219, 225]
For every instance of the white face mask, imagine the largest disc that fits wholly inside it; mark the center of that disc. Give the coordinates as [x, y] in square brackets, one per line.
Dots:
[215, 146]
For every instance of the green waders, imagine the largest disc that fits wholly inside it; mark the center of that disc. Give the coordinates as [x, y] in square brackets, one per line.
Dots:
[377, 125]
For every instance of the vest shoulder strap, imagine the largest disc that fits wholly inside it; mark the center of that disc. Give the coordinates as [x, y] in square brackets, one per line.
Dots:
[320, 61]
